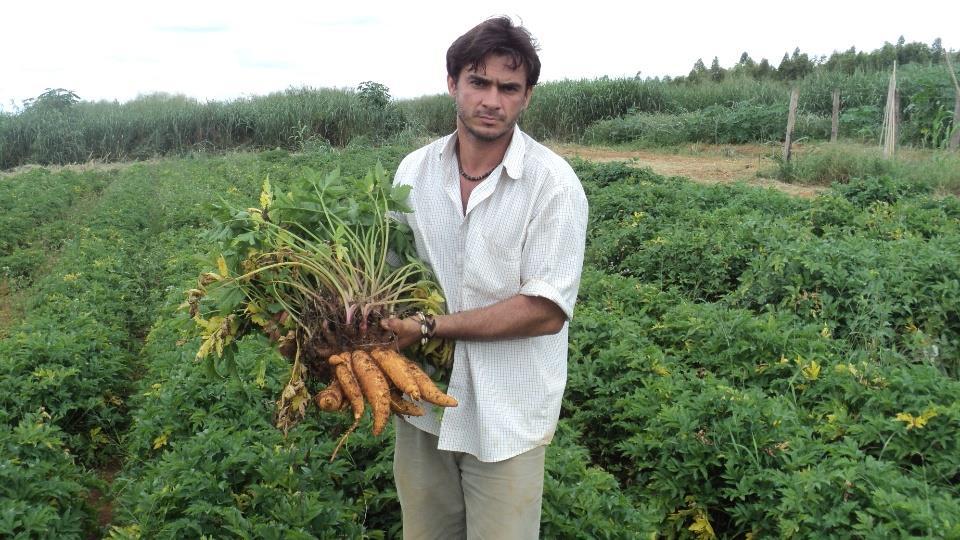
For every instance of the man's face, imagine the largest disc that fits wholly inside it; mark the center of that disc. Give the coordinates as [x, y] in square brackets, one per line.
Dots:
[490, 99]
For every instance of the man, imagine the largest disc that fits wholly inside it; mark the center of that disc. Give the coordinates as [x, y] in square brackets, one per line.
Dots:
[502, 222]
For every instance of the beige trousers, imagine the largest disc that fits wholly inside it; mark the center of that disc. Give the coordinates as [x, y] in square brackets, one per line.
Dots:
[448, 495]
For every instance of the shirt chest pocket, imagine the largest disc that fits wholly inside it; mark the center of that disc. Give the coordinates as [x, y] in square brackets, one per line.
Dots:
[491, 272]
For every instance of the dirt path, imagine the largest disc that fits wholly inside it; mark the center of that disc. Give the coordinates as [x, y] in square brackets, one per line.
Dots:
[13, 299]
[706, 164]
[703, 163]
[94, 165]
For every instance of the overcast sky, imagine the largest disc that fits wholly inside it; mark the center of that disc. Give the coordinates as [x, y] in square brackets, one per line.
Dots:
[223, 50]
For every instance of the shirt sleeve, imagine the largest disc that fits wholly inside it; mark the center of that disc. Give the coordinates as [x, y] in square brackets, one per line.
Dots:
[552, 257]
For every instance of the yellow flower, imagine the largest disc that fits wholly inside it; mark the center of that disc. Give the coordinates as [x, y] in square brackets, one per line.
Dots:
[222, 266]
[160, 441]
[812, 370]
[701, 526]
[266, 195]
[916, 421]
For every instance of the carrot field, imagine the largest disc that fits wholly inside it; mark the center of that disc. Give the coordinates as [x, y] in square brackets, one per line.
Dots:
[743, 364]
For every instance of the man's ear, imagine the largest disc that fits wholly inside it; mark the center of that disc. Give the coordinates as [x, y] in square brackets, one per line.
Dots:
[526, 99]
[451, 86]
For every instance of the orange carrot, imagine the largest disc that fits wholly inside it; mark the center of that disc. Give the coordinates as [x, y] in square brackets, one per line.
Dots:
[330, 398]
[348, 383]
[402, 406]
[428, 389]
[395, 366]
[375, 388]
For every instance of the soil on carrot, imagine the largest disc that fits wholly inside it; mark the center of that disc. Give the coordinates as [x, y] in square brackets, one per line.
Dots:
[705, 164]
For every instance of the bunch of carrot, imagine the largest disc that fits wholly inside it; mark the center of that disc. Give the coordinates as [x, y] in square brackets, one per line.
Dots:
[311, 269]
[381, 377]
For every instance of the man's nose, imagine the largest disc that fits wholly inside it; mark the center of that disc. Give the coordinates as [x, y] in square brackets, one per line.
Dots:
[491, 97]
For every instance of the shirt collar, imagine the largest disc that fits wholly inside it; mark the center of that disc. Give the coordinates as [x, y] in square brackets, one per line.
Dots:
[512, 160]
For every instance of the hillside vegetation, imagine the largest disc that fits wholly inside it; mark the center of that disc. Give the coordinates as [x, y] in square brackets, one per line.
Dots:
[746, 103]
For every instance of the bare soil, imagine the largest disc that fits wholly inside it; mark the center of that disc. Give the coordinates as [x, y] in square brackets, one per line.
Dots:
[10, 307]
[94, 165]
[705, 164]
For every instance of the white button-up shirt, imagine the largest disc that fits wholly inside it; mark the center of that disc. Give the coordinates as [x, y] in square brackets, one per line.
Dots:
[523, 233]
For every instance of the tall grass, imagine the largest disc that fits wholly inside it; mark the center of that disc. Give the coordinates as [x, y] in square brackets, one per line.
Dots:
[736, 109]
[828, 163]
[564, 110]
[164, 124]
[743, 122]
[430, 114]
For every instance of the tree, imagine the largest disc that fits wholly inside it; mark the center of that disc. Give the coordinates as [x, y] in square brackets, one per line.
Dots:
[698, 73]
[764, 70]
[716, 72]
[795, 67]
[375, 94]
[745, 66]
[53, 98]
[936, 51]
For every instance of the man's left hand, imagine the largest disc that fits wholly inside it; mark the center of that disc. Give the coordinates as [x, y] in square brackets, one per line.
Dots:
[407, 330]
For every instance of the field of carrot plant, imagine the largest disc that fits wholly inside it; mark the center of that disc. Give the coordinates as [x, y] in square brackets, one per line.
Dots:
[742, 365]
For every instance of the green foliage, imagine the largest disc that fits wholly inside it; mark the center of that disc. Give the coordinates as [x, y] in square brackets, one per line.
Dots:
[829, 163]
[43, 493]
[33, 208]
[739, 360]
[817, 410]
[53, 98]
[741, 123]
[162, 124]
[864, 192]
[212, 463]
[583, 501]
[430, 114]
[374, 94]
[739, 105]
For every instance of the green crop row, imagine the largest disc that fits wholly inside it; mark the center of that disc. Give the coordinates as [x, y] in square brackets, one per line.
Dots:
[741, 362]
[205, 458]
[39, 210]
[65, 367]
[771, 366]
[875, 261]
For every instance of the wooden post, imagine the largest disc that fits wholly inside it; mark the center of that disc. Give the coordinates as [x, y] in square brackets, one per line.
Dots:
[955, 136]
[888, 136]
[896, 113]
[835, 123]
[791, 120]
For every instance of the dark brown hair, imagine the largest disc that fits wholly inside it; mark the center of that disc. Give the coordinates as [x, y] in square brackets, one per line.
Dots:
[495, 36]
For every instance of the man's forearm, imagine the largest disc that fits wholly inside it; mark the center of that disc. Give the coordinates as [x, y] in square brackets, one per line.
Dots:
[517, 316]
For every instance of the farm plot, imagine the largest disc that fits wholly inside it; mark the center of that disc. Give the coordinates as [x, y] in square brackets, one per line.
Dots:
[741, 363]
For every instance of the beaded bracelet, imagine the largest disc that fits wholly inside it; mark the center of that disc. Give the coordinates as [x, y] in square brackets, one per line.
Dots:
[428, 326]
